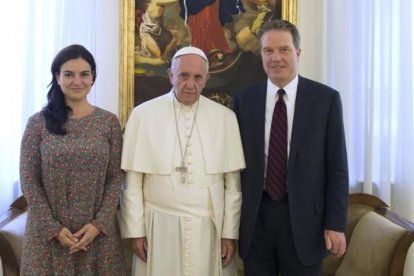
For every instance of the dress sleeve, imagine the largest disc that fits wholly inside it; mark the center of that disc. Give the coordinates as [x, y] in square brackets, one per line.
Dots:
[232, 205]
[31, 178]
[107, 211]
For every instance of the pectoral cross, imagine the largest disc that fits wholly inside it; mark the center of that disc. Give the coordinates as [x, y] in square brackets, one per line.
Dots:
[183, 170]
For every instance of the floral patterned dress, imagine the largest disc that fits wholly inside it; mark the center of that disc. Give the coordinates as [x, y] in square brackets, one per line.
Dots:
[71, 180]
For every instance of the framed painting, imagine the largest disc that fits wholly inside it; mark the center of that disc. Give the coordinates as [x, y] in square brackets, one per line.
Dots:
[153, 30]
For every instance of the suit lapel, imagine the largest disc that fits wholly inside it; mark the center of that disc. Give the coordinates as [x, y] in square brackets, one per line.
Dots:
[304, 106]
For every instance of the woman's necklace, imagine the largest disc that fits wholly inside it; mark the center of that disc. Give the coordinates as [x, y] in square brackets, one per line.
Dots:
[182, 168]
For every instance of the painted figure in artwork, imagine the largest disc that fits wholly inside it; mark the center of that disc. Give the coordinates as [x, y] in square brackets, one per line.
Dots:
[205, 21]
[156, 41]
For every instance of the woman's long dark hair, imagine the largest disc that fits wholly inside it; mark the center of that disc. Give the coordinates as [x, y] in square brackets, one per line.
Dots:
[56, 112]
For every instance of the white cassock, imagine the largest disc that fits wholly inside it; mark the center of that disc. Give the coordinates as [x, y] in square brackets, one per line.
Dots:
[183, 222]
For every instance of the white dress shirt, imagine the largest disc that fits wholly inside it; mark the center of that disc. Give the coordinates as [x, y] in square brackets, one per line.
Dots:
[271, 98]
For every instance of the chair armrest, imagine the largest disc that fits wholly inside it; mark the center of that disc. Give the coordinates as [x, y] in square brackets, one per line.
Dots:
[8, 259]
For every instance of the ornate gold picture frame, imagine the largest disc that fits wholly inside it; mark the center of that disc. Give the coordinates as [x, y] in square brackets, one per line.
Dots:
[128, 56]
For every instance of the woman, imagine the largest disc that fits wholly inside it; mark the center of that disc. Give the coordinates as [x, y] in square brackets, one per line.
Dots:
[70, 175]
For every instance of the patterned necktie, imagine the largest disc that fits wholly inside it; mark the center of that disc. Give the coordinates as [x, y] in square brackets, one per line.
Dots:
[276, 174]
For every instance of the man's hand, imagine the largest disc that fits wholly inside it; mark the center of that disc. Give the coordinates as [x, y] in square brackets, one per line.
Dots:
[140, 248]
[228, 249]
[85, 236]
[335, 242]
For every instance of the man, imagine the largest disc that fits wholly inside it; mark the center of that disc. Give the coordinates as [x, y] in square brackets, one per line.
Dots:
[295, 186]
[182, 154]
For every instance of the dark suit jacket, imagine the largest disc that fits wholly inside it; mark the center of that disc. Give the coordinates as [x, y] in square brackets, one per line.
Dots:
[317, 178]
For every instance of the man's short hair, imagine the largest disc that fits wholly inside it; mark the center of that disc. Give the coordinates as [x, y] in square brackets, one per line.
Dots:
[280, 25]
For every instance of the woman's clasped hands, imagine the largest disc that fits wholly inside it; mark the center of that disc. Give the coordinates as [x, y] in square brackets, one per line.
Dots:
[81, 240]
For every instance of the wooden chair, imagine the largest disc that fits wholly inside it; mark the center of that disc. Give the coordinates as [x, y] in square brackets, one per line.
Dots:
[12, 227]
[378, 240]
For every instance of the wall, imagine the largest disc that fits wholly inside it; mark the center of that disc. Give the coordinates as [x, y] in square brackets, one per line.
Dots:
[105, 92]
[310, 24]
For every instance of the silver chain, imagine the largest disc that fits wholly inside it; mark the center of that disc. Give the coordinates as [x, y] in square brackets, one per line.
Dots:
[184, 154]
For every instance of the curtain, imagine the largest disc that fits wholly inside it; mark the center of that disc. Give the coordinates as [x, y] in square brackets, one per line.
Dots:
[13, 21]
[364, 49]
[370, 60]
[35, 31]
